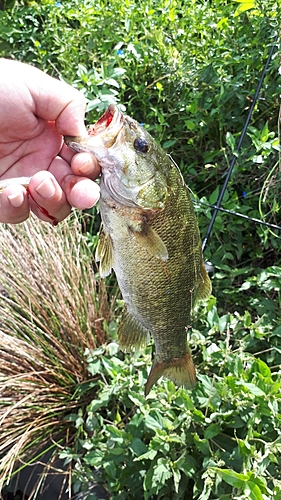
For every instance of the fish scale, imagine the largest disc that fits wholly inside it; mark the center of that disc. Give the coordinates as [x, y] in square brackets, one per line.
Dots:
[151, 239]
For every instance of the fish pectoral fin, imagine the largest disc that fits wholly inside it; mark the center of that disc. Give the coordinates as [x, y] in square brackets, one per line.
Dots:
[104, 254]
[180, 370]
[148, 238]
[205, 285]
[131, 334]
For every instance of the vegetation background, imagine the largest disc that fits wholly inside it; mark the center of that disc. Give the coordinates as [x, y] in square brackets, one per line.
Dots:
[188, 71]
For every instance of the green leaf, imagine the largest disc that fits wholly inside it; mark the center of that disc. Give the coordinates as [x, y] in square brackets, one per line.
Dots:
[117, 72]
[264, 133]
[94, 367]
[263, 368]
[202, 445]
[169, 144]
[187, 464]
[214, 196]
[110, 469]
[190, 124]
[245, 5]
[253, 389]
[223, 322]
[162, 472]
[177, 478]
[254, 491]
[233, 478]
[138, 447]
[137, 399]
[149, 455]
[94, 458]
[212, 430]
[151, 423]
[230, 141]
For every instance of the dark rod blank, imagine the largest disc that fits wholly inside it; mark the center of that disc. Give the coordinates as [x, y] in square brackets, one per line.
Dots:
[235, 155]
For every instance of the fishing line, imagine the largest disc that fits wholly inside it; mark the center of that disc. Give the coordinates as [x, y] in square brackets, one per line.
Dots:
[235, 154]
[238, 214]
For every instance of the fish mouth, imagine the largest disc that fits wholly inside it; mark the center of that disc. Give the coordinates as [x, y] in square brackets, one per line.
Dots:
[107, 131]
[102, 135]
[112, 119]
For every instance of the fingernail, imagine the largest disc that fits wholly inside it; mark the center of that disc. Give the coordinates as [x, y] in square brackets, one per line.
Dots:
[16, 199]
[87, 168]
[46, 189]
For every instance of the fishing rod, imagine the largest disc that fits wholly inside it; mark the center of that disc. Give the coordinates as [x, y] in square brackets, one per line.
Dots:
[235, 154]
[238, 214]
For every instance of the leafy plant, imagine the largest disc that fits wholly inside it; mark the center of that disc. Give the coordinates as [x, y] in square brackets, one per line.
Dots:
[191, 87]
[221, 440]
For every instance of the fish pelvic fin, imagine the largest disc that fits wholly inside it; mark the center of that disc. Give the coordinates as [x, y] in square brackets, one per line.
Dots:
[104, 254]
[131, 334]
[180, 370]
[205, 285]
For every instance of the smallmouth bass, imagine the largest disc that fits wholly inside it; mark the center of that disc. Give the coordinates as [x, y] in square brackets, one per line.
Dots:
[150, 239]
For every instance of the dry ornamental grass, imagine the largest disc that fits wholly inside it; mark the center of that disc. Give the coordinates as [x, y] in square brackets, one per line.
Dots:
[52, 310]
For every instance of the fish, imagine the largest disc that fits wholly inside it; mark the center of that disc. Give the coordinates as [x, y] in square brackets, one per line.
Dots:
[150, 238]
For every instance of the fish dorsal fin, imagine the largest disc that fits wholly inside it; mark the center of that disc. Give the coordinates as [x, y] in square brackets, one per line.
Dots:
[148, 238]
[205, 285]
[131, 334]
[104, 254]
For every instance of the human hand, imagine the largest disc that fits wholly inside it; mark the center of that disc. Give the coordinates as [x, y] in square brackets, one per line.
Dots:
[36, 111]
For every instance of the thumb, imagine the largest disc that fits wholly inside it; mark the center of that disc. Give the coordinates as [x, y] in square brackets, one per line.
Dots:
[55, 100]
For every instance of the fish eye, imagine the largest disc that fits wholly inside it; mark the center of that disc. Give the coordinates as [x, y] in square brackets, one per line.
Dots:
[141, 145]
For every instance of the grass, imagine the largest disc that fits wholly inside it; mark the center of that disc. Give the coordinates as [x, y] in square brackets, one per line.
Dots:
[53, 308]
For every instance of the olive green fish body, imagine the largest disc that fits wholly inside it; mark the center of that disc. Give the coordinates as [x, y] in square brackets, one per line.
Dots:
[151, 240]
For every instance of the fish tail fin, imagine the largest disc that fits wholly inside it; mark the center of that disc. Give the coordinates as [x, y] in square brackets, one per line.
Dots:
[180, 370]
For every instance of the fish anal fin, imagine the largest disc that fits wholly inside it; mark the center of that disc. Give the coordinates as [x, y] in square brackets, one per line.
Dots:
[104, 254]
[180, 370]
[131, 334]
[205, 286]
[148, 238]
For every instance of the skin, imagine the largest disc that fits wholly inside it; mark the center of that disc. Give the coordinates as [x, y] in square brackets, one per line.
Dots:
[36, 112]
